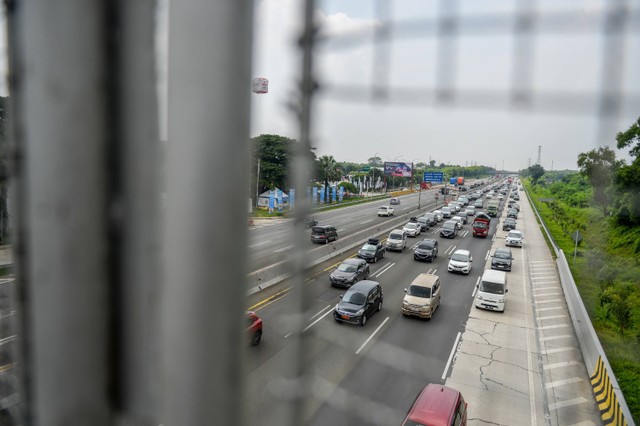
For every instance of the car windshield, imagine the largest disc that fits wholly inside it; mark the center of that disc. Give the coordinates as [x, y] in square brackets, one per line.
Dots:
[502, 255]
[410, 225]
[480, 225]
[419, 291]
[355, 298]
[426, 246]
[369, 247]
[515, 234]
[346, 267]
[494, 288]
[395, 236]
[460, 257]
[449, 225]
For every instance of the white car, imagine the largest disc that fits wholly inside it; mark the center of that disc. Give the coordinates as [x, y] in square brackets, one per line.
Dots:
[412, 229]
[514, 238]
[446, 212]
[460, 261]
[458, 221]
[397, 240]
[438, 214]
[386, 211]
[471, 211]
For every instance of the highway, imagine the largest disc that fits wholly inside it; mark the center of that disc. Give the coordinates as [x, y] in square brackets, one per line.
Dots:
[371, 375]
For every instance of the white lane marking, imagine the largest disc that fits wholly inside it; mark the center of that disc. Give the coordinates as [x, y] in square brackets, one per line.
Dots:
[563, 382]
[261, 243]
[280, 250]
[415, 245]
[552, 317]
[567, 403]
[549, 327]
[366, 221]
[475, 288]
[558, 350]
[563, 336]
[372, 334]
[487, 255]
[525, 298]
[453, 352]
[384, 270]
[321, 310]
[548, 294]
[316, 321]
[553, 308]
[555, 287]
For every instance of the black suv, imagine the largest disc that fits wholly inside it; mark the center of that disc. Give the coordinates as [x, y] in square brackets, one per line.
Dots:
[427, 249]
[349, 272]
[372, 250]
[323, 234]
[361, 301]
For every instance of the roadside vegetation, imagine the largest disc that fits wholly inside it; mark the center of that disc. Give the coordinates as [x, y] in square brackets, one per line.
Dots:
[602, 202]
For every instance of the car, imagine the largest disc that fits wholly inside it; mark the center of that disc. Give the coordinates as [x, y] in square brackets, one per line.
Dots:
[323, 234]
[362, 300]
[412, 229]
[397, 240]
[501, 259]
[470, 210]
[424, 223]
[385, 211]
[509, 224]
[514, 238]
[423, 296]
[449, 229]
[310, 222]
[454, 206]
[446, 212]
[394, 201]
[460, 261]
[458, 221]
[431, 218]
[478, 203]
[516, 206]
[437, 405]
[349, 272]
[516, 197]
[512, 213]
[463, 217]
[372, 250]
[426, 249]
[254, 327]
[464, 200]
[438, 214]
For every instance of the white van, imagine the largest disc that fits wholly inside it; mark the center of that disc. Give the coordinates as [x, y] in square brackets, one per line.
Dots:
[492, 290]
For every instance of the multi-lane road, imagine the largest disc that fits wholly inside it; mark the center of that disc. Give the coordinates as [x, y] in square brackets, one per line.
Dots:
[371, 374]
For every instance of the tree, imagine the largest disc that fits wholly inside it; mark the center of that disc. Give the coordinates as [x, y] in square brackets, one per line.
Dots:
[536, 171]
[621, 299]
[627, 179]
[274, 153]
[375, 162]
[599, 166]
[328, 170]
[432, 163]
[631, 136]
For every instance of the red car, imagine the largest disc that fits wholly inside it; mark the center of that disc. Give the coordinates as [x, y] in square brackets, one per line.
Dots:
[438, 405]
[254, 328]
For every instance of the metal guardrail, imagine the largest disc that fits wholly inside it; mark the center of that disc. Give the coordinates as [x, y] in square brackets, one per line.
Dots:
[593, 354]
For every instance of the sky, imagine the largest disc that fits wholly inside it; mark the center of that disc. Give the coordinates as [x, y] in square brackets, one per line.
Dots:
[482, 128]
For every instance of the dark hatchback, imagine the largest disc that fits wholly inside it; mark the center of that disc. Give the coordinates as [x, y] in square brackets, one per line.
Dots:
[501, 259]
[427, 249]
[509, 224]
[372, 250]
[361, 301]
[349, 272]
[323, 234]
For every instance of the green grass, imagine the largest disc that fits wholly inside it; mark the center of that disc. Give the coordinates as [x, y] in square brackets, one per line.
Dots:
[606, 255]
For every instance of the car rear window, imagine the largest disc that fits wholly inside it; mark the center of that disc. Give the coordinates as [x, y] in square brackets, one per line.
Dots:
[318, 230]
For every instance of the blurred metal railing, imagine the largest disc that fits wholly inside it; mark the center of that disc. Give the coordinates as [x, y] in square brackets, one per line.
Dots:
[123, 306]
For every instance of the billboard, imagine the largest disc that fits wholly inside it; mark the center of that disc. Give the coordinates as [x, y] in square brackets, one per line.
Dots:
[433, 177]
[398, 169]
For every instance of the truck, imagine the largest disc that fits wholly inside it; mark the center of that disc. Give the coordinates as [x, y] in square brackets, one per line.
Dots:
[453, 181]
[480, 225]
[460, 180]
[492, 207]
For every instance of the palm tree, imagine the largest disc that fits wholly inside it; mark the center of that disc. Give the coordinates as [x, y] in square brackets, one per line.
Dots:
[327, 168]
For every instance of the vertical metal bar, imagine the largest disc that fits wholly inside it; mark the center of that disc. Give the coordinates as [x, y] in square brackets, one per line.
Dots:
[296, 390]
[381, 59]
[523, 55]
[137, 199]
[58, 75]
[447, 53]
[206, 224]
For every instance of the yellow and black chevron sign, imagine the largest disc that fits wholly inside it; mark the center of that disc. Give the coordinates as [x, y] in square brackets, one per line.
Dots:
[605, 396]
